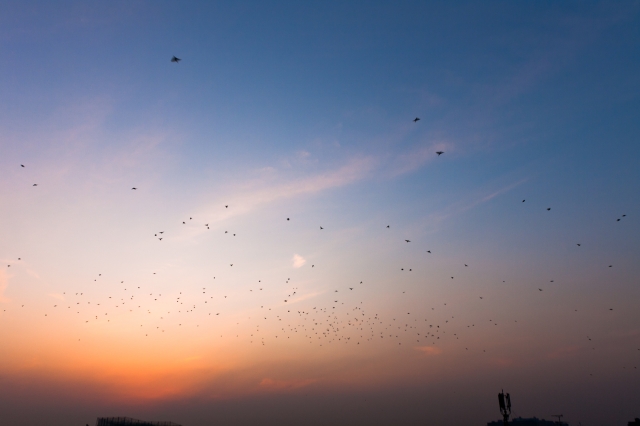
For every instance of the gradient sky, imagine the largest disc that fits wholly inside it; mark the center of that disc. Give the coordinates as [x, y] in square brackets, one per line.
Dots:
[299, 115]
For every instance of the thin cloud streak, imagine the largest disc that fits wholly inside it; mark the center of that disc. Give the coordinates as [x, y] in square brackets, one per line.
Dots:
[355, 170]
[416, 158]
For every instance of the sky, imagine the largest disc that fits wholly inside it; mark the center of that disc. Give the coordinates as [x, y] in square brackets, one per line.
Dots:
[262, 233]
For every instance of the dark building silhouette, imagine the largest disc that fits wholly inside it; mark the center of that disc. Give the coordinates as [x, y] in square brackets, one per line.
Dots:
[128, 421]
[534, 421]
[636, 422]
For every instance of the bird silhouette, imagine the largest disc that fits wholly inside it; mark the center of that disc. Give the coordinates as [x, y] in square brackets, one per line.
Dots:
[415, 120]
[175, 59]
[439, 153]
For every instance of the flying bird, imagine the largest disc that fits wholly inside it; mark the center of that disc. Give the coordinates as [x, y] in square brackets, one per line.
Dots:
[21, 165]
[408, 241]
[415, 120]
[548, 208]
[134, 188]
[175, 59]
[439, 153]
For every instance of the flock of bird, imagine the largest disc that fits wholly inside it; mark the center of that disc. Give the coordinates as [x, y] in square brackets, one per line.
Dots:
[341, 317]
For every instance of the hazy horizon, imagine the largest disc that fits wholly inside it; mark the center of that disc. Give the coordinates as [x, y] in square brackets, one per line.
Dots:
[262, 232]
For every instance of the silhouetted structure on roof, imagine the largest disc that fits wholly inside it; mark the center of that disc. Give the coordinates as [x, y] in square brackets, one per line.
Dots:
[505, 406]
[534, 421]
[128, 421]
[636, 422]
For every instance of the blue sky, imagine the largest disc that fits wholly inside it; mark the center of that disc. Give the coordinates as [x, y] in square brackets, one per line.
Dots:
[305, 111]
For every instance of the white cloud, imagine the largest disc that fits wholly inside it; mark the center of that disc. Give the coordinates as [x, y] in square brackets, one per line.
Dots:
[298, 261]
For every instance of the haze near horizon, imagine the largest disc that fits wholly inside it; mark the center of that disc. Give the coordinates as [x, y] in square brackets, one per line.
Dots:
[322, 213]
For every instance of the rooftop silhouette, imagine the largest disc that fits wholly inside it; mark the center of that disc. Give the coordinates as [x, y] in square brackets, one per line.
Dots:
[128, 421]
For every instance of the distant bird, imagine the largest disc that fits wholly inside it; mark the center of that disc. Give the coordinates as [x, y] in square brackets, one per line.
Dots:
[35, 184]
[548, 208]
[21, 165]
[428, 251]
[617, 220]
[540, 289]
[321, 227]
[523, 201]
[175, 59]
[387, 226]
[439, 153]
[408, 241]
[134, 188]
[226, 207]
[578, 244]
[287, 218]
[415, 120]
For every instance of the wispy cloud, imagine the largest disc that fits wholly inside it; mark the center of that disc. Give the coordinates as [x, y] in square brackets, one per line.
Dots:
[255, 194]
[464, 205]
[298, 261]
[429, 350]
[417, 157]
